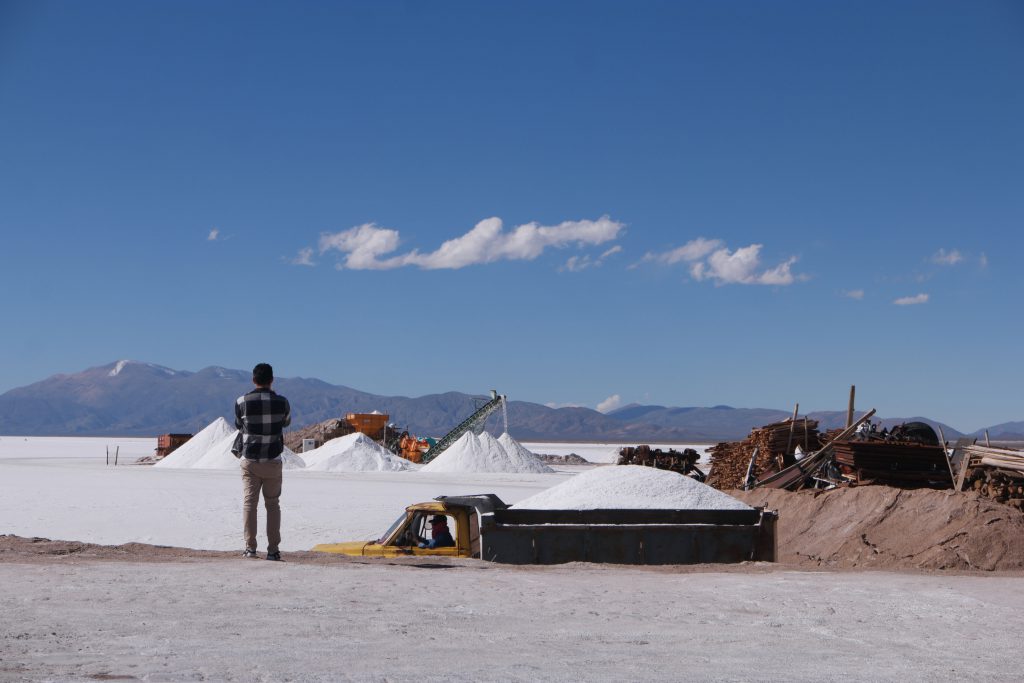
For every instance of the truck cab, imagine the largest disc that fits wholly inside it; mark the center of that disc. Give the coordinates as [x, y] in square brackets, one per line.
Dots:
[402, 538]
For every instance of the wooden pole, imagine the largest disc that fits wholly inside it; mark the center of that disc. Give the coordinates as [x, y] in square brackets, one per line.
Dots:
[849, 430]
[949, 463]
[986, 439]
[750, 470]
[849, 410]
[792, 423]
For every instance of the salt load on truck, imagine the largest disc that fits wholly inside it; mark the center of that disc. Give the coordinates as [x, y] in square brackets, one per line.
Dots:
[562, 525]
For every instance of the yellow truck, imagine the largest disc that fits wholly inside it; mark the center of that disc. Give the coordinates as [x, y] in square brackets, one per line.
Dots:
[484, 527]
[402, 538]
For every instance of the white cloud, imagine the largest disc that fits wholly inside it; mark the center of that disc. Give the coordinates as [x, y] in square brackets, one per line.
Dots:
[609, 404]
[366, 246]
[214, 234]
[857, 294]
[947, 258]
[556, 406]
[710, 260]
[911, 300]
[983, 261]
[303, 258]
[361, 245]
[691, 251]
[741, 267]
[779, 275]
[575, 264]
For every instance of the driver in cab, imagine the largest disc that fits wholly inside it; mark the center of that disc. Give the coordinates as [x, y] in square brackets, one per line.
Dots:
[440, 536]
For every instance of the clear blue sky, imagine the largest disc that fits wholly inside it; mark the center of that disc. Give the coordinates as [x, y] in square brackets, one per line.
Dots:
[214, 183]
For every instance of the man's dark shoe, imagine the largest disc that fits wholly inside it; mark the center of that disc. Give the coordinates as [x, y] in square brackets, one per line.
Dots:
[276, 557]
[249, 552]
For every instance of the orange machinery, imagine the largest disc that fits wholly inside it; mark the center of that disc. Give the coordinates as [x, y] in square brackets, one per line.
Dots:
[371, 424]
[411, 448]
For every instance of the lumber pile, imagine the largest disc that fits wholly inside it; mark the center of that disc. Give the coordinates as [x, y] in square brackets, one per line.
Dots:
[775, 444]
[996, 473]
[987, 456]
[830, 434]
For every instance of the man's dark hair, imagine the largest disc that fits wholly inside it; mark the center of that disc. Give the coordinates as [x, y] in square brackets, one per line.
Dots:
[262, 374]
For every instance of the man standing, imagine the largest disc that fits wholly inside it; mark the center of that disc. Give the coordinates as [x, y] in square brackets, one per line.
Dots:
[261, 416]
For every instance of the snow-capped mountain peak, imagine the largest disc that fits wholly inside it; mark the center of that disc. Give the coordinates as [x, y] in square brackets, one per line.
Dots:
[122, 364]
[118, 367]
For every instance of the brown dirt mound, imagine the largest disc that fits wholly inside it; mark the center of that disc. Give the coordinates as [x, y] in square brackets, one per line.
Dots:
[322, 432]
[878, 527]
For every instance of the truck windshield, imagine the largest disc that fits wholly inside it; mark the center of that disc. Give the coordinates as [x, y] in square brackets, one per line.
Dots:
[392, 528]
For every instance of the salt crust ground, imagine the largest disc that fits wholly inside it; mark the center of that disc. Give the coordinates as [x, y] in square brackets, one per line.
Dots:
[61, 488]
[70, 613]
[214, 616]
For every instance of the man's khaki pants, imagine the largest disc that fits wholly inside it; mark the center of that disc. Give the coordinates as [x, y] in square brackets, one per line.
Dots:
[265, 475]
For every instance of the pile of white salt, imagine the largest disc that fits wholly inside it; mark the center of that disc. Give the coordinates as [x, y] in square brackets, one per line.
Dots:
[631, 487]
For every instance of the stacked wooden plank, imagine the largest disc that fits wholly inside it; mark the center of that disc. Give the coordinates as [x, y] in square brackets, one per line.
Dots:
[781, 438]
[775, 444]
[996, 473]
[894, 463]
[1002, 458]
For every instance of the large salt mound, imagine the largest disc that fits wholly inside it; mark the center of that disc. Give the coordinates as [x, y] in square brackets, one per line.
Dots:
[354, 453]
[193, 450]
[220, 457]
[627, 487]
[329, 448]
[519, 453]
[484, 453]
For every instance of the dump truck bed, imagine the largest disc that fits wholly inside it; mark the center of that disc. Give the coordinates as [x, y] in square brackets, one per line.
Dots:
[628, 536]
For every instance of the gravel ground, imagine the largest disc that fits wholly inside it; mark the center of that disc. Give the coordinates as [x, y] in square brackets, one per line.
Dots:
[82, 612]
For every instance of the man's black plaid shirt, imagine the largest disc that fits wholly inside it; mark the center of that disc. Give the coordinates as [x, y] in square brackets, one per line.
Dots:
[261, 416]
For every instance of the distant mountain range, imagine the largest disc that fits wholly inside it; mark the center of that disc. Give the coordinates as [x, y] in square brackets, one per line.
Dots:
[709, 423]
[129, 398]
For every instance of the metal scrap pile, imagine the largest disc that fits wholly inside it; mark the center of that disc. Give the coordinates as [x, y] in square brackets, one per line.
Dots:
[996, 473]
[684, 462]
[775, 444]
[907, 456]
